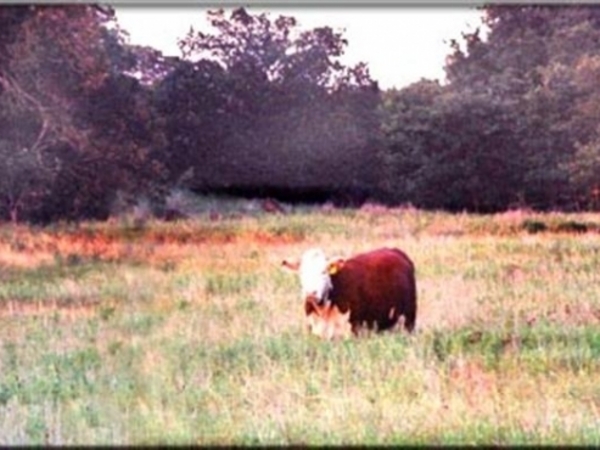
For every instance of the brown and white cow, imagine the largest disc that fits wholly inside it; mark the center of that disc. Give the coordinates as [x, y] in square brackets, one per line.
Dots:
[371, 289]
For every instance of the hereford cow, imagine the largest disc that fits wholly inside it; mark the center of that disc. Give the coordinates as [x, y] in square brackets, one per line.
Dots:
[372, 289]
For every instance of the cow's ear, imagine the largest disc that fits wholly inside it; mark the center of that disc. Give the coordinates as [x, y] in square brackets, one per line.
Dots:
[335, 265]
[293, 266]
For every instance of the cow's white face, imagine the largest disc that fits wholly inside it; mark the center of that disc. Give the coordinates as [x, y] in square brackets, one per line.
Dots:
[314, 275]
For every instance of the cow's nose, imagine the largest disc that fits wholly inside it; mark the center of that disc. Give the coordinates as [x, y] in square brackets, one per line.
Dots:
[314, 297]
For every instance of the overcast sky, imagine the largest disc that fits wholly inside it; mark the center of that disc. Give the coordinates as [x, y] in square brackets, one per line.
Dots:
[400, 44]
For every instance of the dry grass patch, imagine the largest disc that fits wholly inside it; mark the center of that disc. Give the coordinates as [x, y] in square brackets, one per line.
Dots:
[190, 332]
[449, 303]
[13, 309]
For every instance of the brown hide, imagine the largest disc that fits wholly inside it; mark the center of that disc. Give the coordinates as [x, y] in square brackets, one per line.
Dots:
[377, 288]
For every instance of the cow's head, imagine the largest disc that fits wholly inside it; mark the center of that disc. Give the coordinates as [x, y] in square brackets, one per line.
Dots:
[315, 274]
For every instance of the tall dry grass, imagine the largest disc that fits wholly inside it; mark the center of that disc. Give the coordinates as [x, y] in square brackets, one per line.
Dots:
[190, 332]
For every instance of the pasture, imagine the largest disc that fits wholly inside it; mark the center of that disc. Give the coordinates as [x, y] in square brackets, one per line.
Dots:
[190, 332]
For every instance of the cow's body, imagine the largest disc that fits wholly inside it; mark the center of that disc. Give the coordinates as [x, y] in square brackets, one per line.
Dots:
[377, 288]
[371, 289]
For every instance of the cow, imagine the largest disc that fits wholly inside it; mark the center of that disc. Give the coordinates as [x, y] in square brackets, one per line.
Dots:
[372, 289]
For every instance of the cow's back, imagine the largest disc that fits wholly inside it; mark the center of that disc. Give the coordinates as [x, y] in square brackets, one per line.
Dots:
[377, 287]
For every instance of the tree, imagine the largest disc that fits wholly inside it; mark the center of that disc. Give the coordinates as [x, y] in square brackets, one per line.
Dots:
[41, 71]
[450, 150]
[65, 74]
[273, 108]
[265, 50]
[542, 59]
[198, 111]
[408, 127]
[24, 180]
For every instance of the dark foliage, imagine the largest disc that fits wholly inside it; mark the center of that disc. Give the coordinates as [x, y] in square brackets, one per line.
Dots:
[259, 108]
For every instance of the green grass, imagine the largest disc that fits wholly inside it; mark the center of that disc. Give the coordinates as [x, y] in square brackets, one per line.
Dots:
[191, 333]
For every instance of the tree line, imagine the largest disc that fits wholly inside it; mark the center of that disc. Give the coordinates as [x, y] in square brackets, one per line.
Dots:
[259, 107]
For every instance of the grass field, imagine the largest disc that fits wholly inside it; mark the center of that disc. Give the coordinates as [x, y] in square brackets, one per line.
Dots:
[191, 333]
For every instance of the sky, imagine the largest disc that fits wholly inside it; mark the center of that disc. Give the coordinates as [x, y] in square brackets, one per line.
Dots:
[400, 44]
